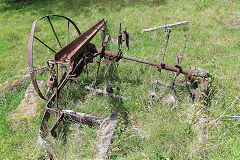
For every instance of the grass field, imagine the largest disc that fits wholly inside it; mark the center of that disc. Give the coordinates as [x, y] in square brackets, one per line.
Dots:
[145, 131]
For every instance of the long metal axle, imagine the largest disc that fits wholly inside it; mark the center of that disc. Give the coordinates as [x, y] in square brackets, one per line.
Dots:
[188, 72]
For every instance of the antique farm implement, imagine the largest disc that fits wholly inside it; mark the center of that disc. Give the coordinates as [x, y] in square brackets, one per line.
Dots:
[70, 60]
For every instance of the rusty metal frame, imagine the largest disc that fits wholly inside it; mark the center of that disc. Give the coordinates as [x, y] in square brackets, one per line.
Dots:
[78, 53]
[30, 49]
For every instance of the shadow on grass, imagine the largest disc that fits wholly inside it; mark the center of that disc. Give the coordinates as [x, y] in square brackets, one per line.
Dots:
[84, 6]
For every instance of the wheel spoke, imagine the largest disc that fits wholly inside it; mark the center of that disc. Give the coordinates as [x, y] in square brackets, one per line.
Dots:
[67, 34]
[62, 79]
[44, 44]
[54, 32]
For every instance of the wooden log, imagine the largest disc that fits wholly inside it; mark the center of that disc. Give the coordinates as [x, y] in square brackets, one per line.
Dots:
[77, 116]
[83, 117]
[105, 136]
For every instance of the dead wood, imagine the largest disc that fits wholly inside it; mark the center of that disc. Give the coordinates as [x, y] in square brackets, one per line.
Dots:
[16, 85]
[105, 136]
[48, 148]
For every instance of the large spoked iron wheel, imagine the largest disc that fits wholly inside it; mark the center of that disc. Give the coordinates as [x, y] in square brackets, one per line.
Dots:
[49, 34]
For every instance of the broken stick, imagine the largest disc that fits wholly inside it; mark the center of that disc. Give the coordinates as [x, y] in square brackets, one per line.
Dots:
[164, 26]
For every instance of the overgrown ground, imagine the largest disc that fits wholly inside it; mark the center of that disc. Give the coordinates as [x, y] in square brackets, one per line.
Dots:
[145, 131]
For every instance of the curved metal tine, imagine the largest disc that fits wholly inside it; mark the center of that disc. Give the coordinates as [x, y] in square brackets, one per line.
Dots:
[110, 81]
[175, 78]
[174, 83]
[114, 68]
[174, 92]
[153, 94]
[54, 32]
[66, 42]
[44, 44]
[184, 48]
[178, 60]
[166, 44]
[96, 77]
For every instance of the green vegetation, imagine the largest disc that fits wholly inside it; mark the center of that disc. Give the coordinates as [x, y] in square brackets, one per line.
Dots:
[145, 131]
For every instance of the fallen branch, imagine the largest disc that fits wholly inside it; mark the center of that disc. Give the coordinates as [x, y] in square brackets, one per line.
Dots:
[47, 146]
[168, 25]
[16, 85]
[105, 136]
[79, 117]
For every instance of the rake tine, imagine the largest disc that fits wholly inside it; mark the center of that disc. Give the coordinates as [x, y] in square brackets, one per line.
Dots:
[174, 90]
[109, 88]
[184, 48]
[114, 68]
[168, 30]
[106, 70]
[96, 77]
[120, 37]
[153, 93]
[179, 61]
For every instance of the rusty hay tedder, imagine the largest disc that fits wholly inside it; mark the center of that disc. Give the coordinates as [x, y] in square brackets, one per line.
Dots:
[70, 61]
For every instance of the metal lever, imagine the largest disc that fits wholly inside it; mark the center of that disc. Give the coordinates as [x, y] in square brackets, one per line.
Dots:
[120, 37]
[125, 37]
[103, 34]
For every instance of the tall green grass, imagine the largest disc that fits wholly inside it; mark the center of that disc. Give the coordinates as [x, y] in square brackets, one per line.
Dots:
[144, 132]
